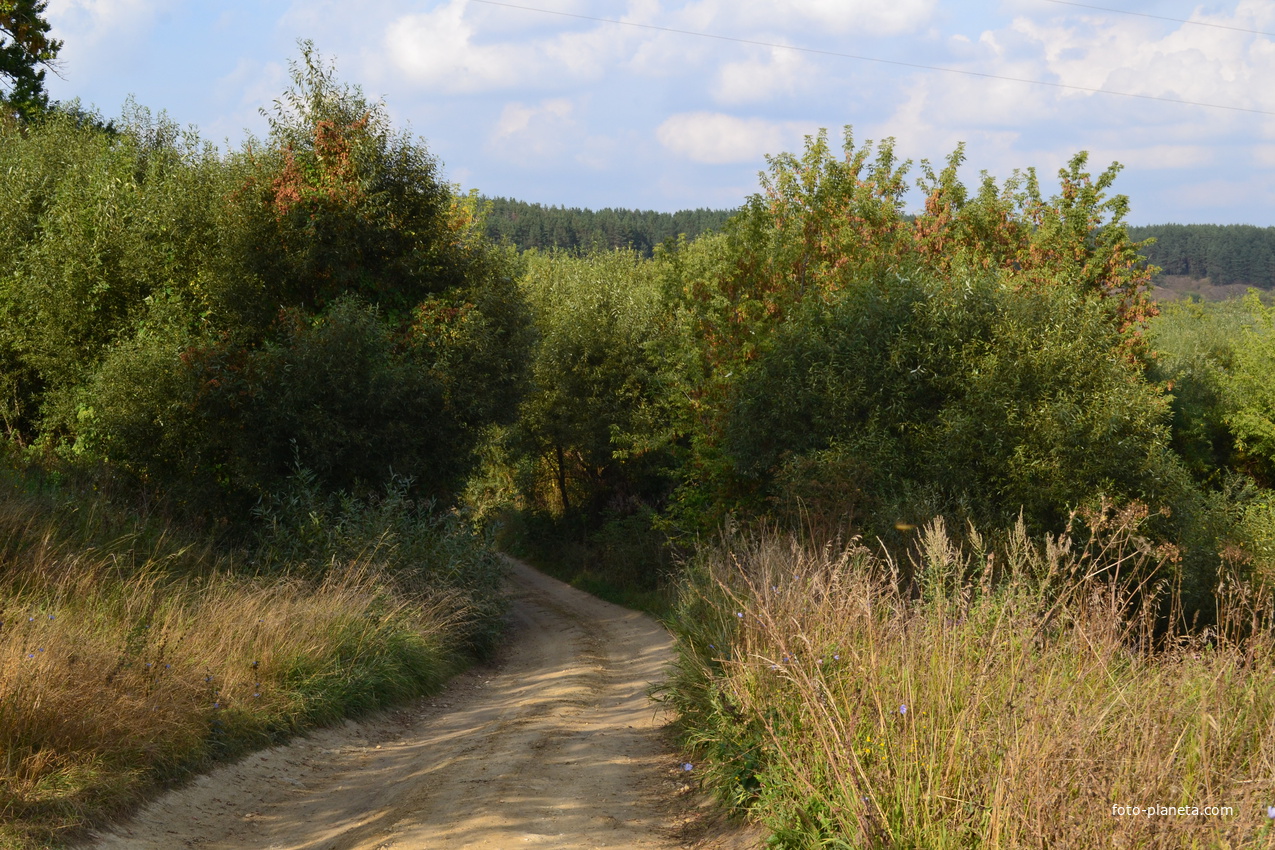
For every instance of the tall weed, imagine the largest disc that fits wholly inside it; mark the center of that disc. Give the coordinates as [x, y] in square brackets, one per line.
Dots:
[1013, 693]
[130, 658]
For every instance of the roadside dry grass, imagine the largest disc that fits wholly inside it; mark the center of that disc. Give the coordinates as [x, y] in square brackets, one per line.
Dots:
[1010, 696]
[132, 662]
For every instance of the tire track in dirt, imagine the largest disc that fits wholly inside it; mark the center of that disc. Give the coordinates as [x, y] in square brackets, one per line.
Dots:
[556, 745]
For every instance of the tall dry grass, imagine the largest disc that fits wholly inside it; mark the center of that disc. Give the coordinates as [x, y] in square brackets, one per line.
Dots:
[138, 660]
[1008, 696]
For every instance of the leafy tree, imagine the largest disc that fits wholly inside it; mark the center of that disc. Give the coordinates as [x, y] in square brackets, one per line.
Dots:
[957, 395]
[26, 51]
[823, 225]
[1223, 253]
[538, 226]
[1194, 356]
[206, 321]
[1252, 391]
[592, 422]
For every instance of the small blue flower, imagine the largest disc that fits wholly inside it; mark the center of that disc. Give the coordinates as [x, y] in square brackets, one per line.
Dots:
[739, 614]
[687, 766]
[1270, 812]
[903, 709]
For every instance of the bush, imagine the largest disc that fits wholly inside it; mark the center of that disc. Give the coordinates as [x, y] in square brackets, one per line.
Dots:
[196, 318]
[958, 395]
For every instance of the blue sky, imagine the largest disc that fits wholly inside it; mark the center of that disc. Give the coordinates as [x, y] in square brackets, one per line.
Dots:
[565, 110]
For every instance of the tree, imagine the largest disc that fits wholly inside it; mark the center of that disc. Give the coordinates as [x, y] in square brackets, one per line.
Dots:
[26, 51]
[590, 424]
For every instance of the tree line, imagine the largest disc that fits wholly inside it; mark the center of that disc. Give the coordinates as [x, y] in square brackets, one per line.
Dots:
[1226, 254]
[1223, 253]
[528, 225]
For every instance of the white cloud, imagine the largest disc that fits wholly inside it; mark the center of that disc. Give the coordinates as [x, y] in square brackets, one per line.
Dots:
[713, 138]
[1155, 157]
[531, 134]
[756, 80]
[442, 49]
[866, 17]
[93, 21]
[1204, 64]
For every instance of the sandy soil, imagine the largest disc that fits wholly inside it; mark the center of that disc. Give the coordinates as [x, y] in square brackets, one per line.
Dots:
[555, 745]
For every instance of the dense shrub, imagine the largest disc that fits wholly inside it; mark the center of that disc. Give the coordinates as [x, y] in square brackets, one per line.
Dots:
[951, 394]
[825, 250]
[204, 319]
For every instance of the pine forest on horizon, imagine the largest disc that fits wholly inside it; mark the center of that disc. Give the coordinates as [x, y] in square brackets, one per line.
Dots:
[1225, 254]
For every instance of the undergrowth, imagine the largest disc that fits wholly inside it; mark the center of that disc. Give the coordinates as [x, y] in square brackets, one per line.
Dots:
[1008, 693]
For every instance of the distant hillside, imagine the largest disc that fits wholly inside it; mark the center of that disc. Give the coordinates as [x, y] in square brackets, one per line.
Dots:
[538, 226]
[1227, 254]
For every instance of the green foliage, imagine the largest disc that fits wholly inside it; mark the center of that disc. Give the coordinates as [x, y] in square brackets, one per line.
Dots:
[25, 52]
[537, 226]
[589, 455]
[1253, 419]
[198, 319]
[591, 425]
[95, 226]
[424, 551]
[828, 234]
[1194, 347]
[336, 202]
[956, 396]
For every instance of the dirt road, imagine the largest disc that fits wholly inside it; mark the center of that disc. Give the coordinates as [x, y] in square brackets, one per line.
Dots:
[555, 746]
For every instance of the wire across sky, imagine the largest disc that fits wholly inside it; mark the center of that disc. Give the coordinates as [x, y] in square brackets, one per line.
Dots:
[896, 62]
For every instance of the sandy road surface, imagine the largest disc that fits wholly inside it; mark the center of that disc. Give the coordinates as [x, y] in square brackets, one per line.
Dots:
[555, 746]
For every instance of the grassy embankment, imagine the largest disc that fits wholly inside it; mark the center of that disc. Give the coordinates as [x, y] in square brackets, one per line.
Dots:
[133, 655]
[1005, 695]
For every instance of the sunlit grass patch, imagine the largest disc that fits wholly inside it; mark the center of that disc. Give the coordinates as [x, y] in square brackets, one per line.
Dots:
[122, 668]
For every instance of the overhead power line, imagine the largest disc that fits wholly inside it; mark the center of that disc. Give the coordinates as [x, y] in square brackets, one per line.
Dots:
[877, 59]
[1161, 17]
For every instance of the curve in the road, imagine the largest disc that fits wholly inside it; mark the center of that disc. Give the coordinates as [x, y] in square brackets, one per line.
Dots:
[558, 746]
